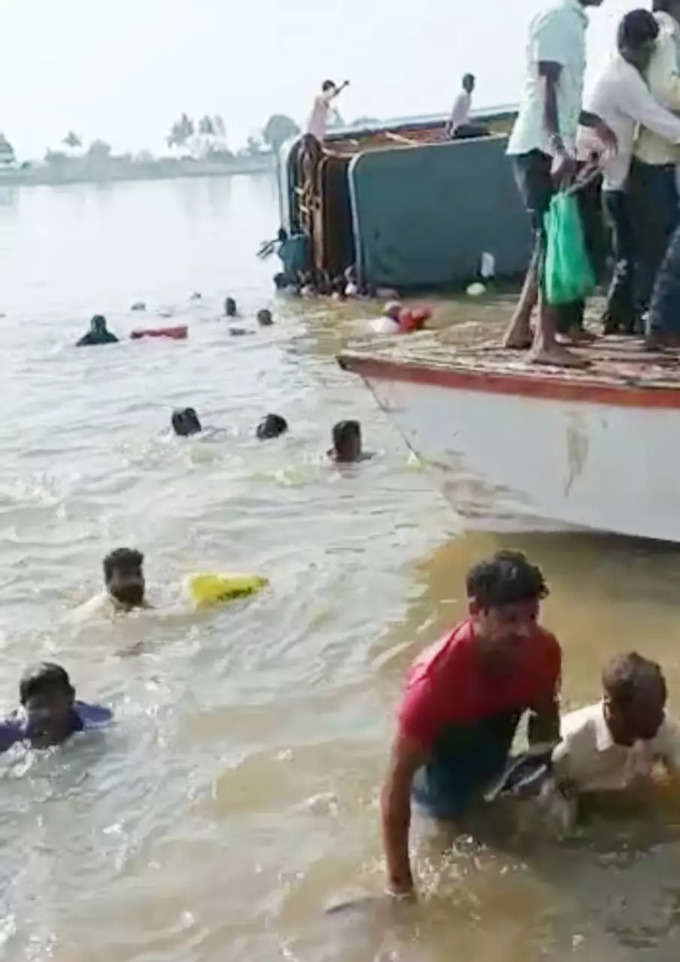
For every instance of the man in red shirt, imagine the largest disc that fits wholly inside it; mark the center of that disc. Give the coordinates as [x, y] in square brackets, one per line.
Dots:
[463, 701]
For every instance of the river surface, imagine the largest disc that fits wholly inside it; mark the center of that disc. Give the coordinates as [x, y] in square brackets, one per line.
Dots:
[235, 798]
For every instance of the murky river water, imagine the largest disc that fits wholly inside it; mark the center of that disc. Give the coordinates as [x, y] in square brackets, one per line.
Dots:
[236, 795]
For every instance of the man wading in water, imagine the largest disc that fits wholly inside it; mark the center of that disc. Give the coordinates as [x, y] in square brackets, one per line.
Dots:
[542, 148]
[463, 701]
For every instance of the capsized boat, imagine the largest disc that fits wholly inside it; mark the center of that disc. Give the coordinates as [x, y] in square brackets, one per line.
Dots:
[404, 205]
[595, 448]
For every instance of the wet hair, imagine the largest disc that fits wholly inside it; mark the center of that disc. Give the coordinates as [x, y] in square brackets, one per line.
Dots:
[468, 76]
[271, 426]
[121, 557]
[505, 579]
[637, 28]
[343, 430]
[264, 317]
[625, 676]
[98, 320]
[185, 422]
[43, 678]
[327, 85]
[230, 307]
[282, 234]
[281, 281]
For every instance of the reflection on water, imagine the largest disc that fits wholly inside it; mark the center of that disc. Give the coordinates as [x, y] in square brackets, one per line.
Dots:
[236, 796]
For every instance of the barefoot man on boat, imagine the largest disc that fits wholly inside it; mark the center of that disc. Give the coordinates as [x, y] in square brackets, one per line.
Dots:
[542, 147]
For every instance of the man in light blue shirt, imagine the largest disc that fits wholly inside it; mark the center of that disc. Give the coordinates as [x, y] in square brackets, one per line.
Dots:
[543, 149]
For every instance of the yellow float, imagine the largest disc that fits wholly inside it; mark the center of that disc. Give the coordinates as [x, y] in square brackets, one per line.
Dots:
[215, 589]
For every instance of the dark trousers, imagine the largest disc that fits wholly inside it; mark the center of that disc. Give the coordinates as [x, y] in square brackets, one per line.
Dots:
[470, 131]
[620, 314]
[532, 174]
[664, 311]
[654, 206]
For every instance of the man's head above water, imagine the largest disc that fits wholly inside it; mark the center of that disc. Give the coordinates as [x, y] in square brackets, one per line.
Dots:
[504, 598]
[124, 576]
[185, 422]
[98, 324]
[47, 697]
[634, 698]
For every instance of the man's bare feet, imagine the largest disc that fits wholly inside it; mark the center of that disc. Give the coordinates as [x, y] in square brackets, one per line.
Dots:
[557, 356]
[581, 335]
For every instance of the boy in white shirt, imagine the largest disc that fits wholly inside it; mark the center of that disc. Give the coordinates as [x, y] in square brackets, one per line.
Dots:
[623, 739]
[623, 100]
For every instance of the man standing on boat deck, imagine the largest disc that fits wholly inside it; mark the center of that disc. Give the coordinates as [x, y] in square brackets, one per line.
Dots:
[318, 120]
[542, 146]
[463, 701]
[622, 98]
[653, 188]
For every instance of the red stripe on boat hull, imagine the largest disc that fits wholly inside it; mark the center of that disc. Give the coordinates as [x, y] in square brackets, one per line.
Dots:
[595, 392]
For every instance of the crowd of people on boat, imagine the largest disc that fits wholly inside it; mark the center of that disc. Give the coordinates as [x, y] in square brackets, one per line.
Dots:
[623, 142]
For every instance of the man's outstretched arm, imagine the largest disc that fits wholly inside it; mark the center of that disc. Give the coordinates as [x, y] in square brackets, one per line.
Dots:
[406, 758]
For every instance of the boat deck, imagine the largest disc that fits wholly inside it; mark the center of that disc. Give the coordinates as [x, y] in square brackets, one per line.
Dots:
[461, 357]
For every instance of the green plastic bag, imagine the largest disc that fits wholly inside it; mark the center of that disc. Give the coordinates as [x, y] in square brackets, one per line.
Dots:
[567, 272]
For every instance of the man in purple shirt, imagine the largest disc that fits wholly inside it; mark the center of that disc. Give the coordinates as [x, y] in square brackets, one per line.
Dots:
[49, 713]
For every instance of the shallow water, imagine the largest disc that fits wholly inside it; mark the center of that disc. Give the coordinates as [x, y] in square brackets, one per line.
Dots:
[235, 797]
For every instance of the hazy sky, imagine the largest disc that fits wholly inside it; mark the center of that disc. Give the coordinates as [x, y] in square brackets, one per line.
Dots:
[124, 69]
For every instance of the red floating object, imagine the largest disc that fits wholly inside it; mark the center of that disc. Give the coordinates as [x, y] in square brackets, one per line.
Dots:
[177, 333]
[411, 320]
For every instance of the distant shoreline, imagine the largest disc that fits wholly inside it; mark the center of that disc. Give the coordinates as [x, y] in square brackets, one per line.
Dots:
[114, 170]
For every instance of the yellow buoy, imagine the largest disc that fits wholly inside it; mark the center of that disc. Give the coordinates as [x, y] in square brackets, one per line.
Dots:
[213, 589]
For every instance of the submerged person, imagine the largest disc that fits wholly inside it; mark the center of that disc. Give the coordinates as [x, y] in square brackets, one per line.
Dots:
[49, 712]
[542, 149]
[185, 422]
[623, 100]
[124, 585]
[389, 321]
[98, 333]
[619, 741]
[463, 702]
[347, 444]
[230, 309]
[271, 426]
[264, 317]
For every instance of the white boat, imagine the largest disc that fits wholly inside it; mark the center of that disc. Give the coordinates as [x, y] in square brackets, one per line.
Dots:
[598, 448]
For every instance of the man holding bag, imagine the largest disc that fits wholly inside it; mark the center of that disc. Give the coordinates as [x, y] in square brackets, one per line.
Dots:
[542, 147]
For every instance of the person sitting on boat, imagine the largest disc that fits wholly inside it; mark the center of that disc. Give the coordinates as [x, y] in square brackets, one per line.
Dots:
[318, 120]
[48, 712]
[98, 333]
[347, 444]
[185, 422]
[124, 586]
[388, 322]
[463, 701]
[459, 126]
[623, 739]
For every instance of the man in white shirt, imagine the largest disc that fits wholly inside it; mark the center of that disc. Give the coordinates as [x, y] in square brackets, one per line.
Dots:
[624, 739]
[542, 146]
[318, 120]
[124, 586]
[459, 126]
[653, 183]
[623, 101]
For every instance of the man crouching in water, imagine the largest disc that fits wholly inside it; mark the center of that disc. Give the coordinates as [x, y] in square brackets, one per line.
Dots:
[124, 585]
[463, 701]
